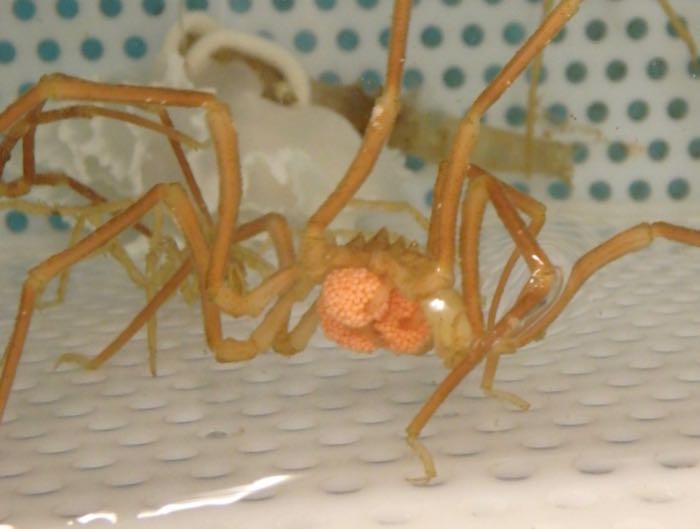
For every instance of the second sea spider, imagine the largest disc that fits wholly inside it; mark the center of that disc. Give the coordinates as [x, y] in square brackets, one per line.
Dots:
[375, 292]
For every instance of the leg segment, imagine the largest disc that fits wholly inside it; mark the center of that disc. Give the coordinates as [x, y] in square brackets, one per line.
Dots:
[175, 198]
[378, 129]
[483, 188]
[628, 241]
[468, 131]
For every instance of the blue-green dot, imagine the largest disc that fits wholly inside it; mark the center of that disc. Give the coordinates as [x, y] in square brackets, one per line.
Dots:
[677, 108]
[559, 37]
[639, 190]
[658, 149]
[240, 6]
[412, 78]
[617, 152]
[367, 4]
[16, 221]
[7, 52]
[67, 8]
[91, 48]
[637, 28]
[24, 87]
[111, 8]
[431, 37]
[656, 68]
[576, 72]
[543, 74]
[325, 5]
[491, 71]
[57, 222]
[522, 187]
[23, 9]
[347, 39]
[135, 47]
[414, 163]
[616, 70]
[371, 82]
[283, 5]
[694, 148]
[384, 38]
[579, 152]
[472, 35]
[557, 113]
[597, 112]
[153, 7]
[559, 190]
[48, 50]
[492, 2]
[453, 77]
[428, 198]
[515, 115]
[513, 33]
[678, 188]
[451, 2]
[305, 41]
[671, 30]
[330, 78]
[197, 5]
[600, 190]
[637, 110]
[596, 29]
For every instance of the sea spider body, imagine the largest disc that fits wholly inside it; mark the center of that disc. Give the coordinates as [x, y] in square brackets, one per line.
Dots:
[376, 293]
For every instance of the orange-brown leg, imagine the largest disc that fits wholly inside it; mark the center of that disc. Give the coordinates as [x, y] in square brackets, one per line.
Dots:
[39, 276]
[628, 241]
[446, 199]
[379, 128]
[681, 29]
[178, 203]
[272, 223]
[25, 128]
[144, 316]
[536, 211]
[460, 154]
[58, 87]
[484, 188]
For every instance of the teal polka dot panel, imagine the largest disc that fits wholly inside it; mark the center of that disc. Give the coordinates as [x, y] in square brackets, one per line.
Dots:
[617, 84]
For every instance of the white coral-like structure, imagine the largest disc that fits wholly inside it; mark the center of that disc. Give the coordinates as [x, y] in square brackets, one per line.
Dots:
[292, 156]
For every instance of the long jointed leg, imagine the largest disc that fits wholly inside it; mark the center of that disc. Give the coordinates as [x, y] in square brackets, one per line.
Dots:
[156, 299]
[175, 198]
[448, 195]
[58, 87]
[681, 29]
[379, 128]
[494, 341]
[626, 242]
[442, 230]
[622, 244]
[483, 188]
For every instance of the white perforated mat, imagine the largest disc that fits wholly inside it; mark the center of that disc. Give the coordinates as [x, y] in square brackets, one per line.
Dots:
[316, 441]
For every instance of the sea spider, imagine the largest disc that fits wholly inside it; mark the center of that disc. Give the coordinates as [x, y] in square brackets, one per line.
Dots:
[374, 292]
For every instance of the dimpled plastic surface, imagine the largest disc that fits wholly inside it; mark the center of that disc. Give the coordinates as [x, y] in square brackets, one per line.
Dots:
[316, 440]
